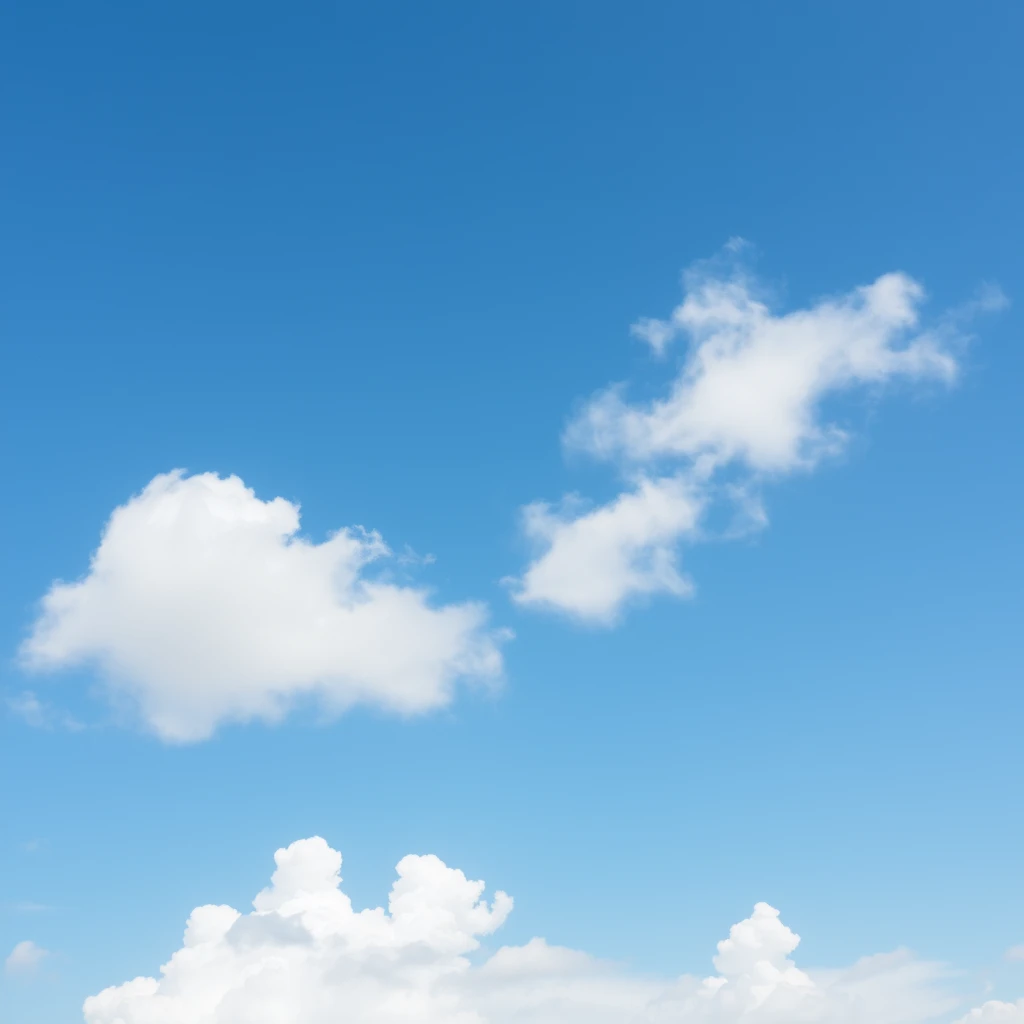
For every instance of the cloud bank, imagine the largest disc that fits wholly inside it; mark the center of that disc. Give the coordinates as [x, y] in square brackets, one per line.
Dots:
[747, 403]
[203, 605]
[303, 955]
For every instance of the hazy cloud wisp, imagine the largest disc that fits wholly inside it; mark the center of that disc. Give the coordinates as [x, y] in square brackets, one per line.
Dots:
[25, 958]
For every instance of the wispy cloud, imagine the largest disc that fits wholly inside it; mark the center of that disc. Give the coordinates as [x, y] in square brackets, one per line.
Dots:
[41, 714]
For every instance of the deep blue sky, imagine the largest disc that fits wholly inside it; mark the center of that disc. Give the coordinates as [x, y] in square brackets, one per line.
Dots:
[370, 257]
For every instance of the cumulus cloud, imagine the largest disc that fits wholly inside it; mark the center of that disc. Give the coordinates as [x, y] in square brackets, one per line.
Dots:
[25, 958]
[202, 604]
[303, 954]
[748, 402]
[752, 382]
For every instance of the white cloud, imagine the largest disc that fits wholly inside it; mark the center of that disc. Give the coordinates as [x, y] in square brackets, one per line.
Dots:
[747, 403]
[995, 1012]
[25, 958]
[594, 561]
[1015, 953]
[305, 955]
[203, 605]
[752, 381]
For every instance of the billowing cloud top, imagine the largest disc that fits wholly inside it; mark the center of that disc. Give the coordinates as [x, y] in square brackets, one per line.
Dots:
[747, 402]
[203, 605]
[305, 956]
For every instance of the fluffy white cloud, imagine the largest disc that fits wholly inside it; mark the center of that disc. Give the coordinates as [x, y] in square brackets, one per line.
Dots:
[202, 604]
[305, 956]
[25, 957]
[995, 1012]
[592, 562]
[746, 403]
[752, 382]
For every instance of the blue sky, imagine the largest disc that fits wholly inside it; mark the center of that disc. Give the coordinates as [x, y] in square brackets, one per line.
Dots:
[375, 260]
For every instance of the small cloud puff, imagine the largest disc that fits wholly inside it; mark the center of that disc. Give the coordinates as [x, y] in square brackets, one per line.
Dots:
[592, 561]
[25, 958]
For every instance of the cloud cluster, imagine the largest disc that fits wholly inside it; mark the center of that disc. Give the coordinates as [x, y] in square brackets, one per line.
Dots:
[202, 605]
[305, 956]
[746, 403]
